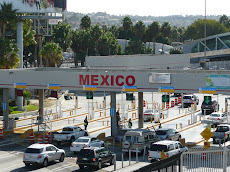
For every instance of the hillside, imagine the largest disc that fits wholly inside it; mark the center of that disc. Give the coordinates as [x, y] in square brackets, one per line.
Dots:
[108, 20]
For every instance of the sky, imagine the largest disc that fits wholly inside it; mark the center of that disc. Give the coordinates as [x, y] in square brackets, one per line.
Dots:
[151, 7]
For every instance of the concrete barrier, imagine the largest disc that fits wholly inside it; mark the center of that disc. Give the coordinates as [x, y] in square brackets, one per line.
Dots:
[26, 134]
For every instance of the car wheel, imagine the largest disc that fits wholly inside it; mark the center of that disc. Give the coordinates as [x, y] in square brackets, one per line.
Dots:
[45, 162]
[27, 164]
[62, 157]
[99, 165]
[86, 134]
[81, 166]
[112, 161]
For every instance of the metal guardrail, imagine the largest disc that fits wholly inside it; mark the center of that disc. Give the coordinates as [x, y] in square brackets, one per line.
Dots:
[172, 162]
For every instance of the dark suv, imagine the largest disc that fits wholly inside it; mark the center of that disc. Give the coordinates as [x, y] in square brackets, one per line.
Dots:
[94, 157]
[212, 106]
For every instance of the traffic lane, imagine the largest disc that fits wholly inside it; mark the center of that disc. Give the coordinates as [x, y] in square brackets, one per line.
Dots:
[193, 134]
[12, 161]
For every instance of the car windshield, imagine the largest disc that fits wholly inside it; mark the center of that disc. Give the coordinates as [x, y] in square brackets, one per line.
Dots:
[215, 115]
[222, 129]
[86, 153]
[148, 111]
[67, 129]
[156, 147]
[33, 150]
[82, 140]
[161, 132]
[128, 138]
[187, 97]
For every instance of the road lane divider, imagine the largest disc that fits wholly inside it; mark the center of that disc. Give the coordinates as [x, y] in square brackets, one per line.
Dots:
[56, 120]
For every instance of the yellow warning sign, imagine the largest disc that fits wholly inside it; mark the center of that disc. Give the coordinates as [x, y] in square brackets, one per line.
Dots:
[206, 144]
[163, 156]
[206, 134]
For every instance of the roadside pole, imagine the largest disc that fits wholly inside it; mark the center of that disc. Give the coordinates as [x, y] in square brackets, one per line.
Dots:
[56, 108]
[122, 106]
[182, 102]
[92, 116]
[88, 111]
[25, 107]
[152, 101]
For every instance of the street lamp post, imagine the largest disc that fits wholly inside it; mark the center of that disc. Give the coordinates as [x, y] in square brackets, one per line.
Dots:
[205, 37]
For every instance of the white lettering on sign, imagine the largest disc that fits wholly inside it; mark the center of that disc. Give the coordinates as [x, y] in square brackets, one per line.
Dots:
[107, 80]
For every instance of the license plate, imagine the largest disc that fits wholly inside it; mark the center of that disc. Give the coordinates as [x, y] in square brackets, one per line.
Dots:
[84, 158]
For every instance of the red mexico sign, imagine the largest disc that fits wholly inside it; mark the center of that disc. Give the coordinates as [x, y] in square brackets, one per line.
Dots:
[107, 80]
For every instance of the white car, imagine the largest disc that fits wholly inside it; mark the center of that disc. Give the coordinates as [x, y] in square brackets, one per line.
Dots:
[217, 117]
[148, 114]
[83, 142]
[42, 154]
[170, 148]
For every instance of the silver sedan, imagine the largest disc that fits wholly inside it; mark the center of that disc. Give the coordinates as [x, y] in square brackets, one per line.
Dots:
[217, 117]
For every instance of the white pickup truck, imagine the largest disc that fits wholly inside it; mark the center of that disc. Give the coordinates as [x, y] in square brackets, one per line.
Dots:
[70, 134]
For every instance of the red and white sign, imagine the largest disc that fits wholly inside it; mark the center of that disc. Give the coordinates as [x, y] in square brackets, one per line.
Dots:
[107, 80]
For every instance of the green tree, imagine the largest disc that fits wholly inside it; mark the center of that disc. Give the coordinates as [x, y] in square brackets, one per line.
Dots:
[166, 32]
[196, 29]
[108, 45]
[28, 39]
[114, 30]
[85, 22]
[175, 51]
[139, 30]
[152, 32]
[80, 43]
[62, 35]
[135, 46]
[7, 15]
[127, 25]
[225, 20]
[8, 54]
[52, 54]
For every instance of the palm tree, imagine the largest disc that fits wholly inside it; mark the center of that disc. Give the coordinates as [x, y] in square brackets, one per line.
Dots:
[8, 54]
[7, 15]
[62, 35]
[166, 32]
[52, 54]
[127, 24]
[153, 31]
[139, 30]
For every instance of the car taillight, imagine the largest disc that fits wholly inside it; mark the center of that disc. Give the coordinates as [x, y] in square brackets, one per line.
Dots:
[39, 157]
[167, 155]
[94, 159]
[24, 155]
[76, 158]
[218, 118]
[212, 105]
[71, 145]
[67, 137]
[148, 153]
[166, 137]
[208, 118]
[84, 146]
[139, 145]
